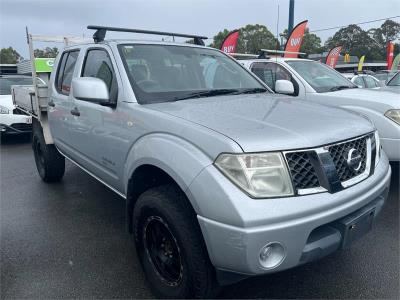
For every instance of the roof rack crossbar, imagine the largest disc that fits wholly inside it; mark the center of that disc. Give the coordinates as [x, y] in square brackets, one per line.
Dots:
[101, 31]
[282, 51]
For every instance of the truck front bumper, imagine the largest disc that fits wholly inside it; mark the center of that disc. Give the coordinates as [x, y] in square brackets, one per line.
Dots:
[15, 124]
[307, 227]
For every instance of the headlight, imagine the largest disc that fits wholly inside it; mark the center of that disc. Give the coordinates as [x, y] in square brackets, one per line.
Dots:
[394, 115]
[262, 175]
[4, 110]
[378, 148]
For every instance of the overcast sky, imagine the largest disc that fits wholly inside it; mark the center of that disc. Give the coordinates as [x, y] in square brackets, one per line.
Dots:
[206, 17]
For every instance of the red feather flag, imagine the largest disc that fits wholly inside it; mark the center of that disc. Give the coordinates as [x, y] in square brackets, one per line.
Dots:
[295, 40]
[389, 54]
[230, 42]
[333, 56]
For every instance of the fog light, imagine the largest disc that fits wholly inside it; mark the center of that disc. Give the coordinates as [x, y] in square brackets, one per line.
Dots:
[272, 255]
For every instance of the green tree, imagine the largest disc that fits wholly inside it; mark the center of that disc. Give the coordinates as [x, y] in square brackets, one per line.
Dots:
[311, 42]
[252, 38]
[46, 52]
[219, 38]
[9, 56]
[389, 31]
[354, 41]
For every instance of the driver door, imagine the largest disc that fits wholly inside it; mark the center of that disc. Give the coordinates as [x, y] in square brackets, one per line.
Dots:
[96, 129]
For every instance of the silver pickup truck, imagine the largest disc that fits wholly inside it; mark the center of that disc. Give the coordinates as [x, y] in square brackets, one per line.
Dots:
[222, 178]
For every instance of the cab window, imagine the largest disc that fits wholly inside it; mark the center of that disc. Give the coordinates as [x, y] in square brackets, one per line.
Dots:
[370, 82]
[98, 65]
[66, 71]
[269, 73]
[359, 81]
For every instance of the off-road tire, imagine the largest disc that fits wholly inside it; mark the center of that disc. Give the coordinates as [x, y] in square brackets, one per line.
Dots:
[167, 204]
[49, 162]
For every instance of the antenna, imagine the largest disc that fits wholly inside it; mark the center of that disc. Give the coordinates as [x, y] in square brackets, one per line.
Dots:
[282, 51]
[277, 34]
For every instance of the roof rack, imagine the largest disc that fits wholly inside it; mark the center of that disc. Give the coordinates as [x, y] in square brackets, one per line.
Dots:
[262, 54]
[282, 52]
[101, 31]
[242, 55]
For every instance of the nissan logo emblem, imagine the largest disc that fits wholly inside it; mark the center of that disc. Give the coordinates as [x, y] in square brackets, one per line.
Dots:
[353, 159]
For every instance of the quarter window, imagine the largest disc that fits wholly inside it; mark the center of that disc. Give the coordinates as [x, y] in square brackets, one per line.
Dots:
[66, 71]
[98, 65]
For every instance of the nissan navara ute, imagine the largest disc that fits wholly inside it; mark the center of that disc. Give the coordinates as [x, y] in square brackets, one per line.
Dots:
[223, 179]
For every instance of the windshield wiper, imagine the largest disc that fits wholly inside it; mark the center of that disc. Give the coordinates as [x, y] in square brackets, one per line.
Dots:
[251, 91]
[341, 87]
[209, 93]
[219, 92]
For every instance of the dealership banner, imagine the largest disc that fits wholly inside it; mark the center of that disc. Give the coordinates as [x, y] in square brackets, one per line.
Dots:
[333, 56]
[230, 42]
[389, 54]
[361, 63]
[44, 65]
[295, 40]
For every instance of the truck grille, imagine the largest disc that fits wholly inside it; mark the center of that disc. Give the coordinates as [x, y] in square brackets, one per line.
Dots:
[339, 155]
[302, 171]
[304, 174]
[17, 111]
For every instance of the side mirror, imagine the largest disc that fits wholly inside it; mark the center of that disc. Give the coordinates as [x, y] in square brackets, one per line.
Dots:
[91, 89]
[284, 87]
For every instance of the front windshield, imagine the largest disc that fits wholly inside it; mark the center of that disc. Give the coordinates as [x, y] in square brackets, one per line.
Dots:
[395, 81]
[163, 73]
[321, 77]
[7, 82]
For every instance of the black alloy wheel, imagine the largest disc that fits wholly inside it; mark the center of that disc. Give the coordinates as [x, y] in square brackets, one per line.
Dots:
[162, 250]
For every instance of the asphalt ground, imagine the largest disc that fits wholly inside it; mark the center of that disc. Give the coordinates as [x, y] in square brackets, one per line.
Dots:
[68, 240]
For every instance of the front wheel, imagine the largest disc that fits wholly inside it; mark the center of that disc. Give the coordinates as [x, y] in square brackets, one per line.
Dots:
[170, 245]
[49, 162]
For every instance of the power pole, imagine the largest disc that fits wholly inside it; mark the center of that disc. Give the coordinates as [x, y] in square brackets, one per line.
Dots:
[291, 17]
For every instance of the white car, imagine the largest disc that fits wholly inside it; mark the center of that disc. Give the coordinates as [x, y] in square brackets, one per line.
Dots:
[12, 120]
[366, 81]
[393, 85]
[313, 81]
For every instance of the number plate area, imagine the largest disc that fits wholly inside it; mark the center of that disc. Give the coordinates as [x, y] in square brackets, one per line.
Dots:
[354, 226]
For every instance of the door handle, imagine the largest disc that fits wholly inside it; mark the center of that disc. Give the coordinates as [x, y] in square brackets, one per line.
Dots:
[51, 103]
[75, 112]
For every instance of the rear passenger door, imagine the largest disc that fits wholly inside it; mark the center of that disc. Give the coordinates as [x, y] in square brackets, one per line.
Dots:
[60, 101]
[95, 133]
